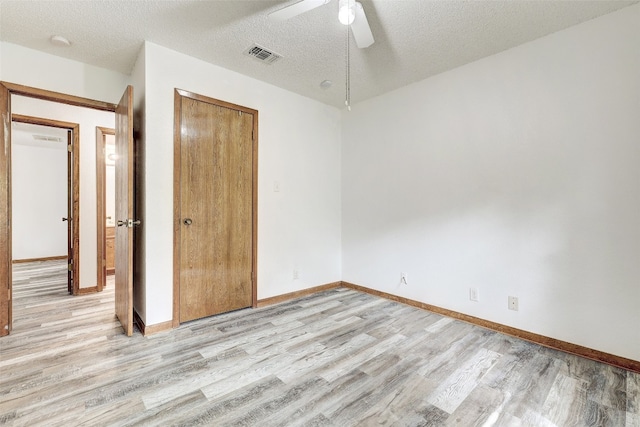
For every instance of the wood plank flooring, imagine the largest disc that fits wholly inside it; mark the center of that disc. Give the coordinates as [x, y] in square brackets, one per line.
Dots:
[336, 358]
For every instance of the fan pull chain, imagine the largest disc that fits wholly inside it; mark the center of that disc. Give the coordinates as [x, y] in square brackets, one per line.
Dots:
[347, 100]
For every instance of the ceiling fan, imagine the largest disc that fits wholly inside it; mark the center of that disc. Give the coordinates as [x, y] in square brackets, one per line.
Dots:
[350, 12]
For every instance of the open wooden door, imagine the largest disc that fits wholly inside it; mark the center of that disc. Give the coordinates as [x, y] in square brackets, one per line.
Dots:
[70, 217]
[5, 211]
[124, 211]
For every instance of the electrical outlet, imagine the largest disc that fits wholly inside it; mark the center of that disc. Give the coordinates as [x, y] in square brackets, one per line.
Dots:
[403, 279]
[513, 303]
[296, 274]
[473, 294]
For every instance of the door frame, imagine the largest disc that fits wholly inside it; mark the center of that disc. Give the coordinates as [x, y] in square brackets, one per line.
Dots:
[74, 168]
[6, 90]
[178, 95]
[101, 189]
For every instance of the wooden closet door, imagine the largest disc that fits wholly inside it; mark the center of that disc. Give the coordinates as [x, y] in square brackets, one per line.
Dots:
[216, 202]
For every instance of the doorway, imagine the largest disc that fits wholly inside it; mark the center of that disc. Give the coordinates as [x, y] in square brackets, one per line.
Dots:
[105, 206]
[215, 206]
[124, 132]
[60, 140]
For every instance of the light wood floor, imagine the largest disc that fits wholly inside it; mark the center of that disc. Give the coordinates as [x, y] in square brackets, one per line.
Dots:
[338, 358]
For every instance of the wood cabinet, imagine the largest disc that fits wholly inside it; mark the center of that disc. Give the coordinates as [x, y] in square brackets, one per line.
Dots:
[110, 253]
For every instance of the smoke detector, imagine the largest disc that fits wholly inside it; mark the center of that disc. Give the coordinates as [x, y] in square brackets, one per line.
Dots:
[59, 41]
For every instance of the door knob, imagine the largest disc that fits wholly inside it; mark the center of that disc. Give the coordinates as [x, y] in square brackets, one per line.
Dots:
[129, 223]
[187, 221]
[65, 219]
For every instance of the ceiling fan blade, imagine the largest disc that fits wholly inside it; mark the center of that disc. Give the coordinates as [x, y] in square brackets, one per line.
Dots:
[296, 9]
[360, 28]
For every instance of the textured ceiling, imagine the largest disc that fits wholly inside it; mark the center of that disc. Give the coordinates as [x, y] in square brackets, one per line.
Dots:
[415, 39]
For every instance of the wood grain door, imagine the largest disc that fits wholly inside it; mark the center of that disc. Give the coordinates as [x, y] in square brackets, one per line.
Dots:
[70, 217]
[216, 208]
[5, 211]
[124, 211]
[73, 200]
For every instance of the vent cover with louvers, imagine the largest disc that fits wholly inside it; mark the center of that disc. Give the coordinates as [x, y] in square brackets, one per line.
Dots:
[47, 138]
[263, 55]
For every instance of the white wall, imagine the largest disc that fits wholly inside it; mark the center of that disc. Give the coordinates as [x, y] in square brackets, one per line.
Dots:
[27, 67]
[37, 69]
[516, 174]
[299, 146]
[110, 183]
[110, 196]
[88, 120]
[39, 200]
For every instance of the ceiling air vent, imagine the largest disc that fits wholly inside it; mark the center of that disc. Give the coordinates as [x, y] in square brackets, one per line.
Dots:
[261, 54]
[47, 138]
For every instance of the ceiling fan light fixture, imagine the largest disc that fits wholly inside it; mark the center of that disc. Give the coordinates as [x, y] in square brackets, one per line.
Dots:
[346, 11]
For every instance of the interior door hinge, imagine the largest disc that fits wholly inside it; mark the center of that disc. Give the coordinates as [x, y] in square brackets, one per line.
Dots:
[70, 148]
